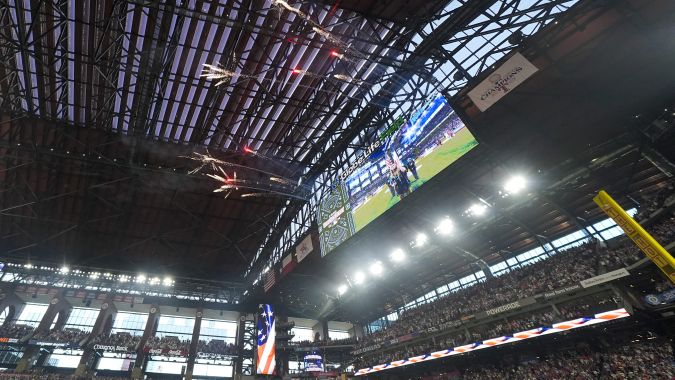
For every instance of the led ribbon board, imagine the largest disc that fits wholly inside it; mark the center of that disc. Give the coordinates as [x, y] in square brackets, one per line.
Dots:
[402, 159]
[529, 334]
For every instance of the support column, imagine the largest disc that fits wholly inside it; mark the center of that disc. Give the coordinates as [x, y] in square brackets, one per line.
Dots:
[8, 299]
[194, 343]
[150, 327]
[356, 332]
[103, 325]
[59, 309]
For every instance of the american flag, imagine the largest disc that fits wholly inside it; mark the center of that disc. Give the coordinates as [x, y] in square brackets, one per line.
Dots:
[266, 341]
[269, 280]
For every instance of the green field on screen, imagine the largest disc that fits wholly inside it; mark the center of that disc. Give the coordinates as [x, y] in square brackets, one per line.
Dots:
[427, 167]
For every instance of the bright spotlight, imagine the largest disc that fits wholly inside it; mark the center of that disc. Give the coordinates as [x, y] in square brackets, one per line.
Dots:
[140, 278]
[342, 289]
[445, 227]
[359, 277]
[477, 209]
[167, 281]
[376, 268]
[397, 255]
[515, 184]
[64, 269]
[94, 275]
[421, 239]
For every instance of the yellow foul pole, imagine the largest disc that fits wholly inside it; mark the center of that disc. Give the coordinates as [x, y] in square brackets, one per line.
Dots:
[654, 251]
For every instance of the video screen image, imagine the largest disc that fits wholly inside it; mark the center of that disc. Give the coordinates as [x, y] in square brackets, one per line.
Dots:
[313, 363]
[422, 147]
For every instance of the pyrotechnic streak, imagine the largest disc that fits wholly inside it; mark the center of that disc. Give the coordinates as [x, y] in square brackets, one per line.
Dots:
[297, 11]
[223, 75]
[281, 180]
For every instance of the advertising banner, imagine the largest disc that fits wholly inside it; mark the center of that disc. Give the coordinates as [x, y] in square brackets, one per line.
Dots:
[606, 277]
[508, 76]
[663, 298]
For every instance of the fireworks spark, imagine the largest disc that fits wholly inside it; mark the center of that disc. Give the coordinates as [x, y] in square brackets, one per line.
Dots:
[222, 75]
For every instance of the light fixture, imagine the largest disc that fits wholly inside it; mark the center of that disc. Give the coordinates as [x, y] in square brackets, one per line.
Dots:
[421, 239]
[94, 275]
[477, 209]
[140, 278]
[28, 266]
[445, 227]
[342, 289]
[397, 255]
[64, 269]
[515, 184]
[167, 281]
[359, 278]
[376, 268]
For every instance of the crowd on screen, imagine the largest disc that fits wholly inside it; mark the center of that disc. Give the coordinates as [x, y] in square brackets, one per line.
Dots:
[583, 307]
[216, 346]
[119, 339]
[15, 331]
[651, 360]
[563, 269]
[167, 342]
[71, 336]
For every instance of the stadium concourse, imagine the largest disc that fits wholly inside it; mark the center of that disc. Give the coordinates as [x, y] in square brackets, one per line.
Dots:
[337, 189]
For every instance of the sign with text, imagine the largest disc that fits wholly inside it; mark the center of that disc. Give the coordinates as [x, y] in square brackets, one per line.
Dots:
[508, 76]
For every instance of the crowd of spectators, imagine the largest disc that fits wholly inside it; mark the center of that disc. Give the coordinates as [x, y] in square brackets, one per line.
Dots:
[563, 269]
[119, 339]
[583, 307]
[652, 360]
[167, 342]
[216, 346]
[69, 336]
[15, 331]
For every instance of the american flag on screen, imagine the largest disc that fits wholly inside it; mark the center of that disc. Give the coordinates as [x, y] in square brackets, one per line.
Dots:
[266, 341]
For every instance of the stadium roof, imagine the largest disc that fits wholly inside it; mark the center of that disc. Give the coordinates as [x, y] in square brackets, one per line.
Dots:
[101, 102]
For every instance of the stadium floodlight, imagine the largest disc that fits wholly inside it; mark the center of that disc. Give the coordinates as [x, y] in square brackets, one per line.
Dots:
[421, 239]
[28, 266]
[154, 281]
[445, 227]
[376, 268]
[397, 255]
[359, 278]
[515, 184]
[140, 278]
[64, 269]
[342, 289]
[94, 275]
[123, 278]
[477, 209]
[167, 281]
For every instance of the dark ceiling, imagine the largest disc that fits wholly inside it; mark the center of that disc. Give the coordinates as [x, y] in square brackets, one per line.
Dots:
[101, 102]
